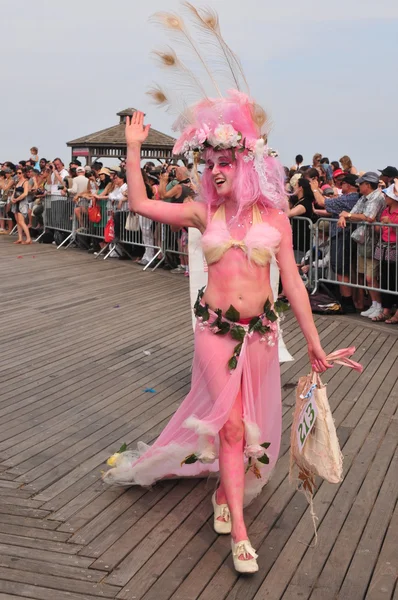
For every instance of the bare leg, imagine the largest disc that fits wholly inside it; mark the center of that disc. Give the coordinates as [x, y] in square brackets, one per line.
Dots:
[19, 229]
[232, 469]
[22, 225]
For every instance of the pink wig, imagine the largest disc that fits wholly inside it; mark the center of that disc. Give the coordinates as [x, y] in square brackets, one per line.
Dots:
[247, 185]
[233, 124]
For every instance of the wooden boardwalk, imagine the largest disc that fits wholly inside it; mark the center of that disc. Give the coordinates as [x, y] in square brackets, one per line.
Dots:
[73, 380]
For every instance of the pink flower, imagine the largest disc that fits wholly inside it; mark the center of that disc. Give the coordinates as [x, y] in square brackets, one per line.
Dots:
[202, 134]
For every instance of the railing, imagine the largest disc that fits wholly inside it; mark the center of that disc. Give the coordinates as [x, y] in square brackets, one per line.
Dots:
[356, 256]
[5, 220]
[304, 246]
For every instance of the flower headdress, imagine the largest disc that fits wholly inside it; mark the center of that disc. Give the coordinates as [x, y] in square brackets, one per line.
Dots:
[231, 120]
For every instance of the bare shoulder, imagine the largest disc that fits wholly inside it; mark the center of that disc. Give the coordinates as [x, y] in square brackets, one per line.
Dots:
[278, 219]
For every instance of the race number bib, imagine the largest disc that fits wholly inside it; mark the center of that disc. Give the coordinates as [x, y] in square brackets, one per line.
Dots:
[306, 420]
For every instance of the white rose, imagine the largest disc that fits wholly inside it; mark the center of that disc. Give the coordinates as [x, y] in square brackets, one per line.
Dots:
[225, 136]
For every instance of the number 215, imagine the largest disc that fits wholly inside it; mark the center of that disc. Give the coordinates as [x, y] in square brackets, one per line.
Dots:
[311, 415]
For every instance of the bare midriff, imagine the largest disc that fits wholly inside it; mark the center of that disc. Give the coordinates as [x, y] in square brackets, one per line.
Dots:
[234, 280]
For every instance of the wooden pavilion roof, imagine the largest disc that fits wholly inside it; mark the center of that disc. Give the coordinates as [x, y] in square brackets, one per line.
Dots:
[158, 144]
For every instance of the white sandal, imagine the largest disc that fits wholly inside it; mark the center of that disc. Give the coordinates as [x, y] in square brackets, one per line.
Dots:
[244, 548]
[221, 510]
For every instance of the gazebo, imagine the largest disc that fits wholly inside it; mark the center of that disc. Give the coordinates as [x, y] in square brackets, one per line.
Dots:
[111, 143]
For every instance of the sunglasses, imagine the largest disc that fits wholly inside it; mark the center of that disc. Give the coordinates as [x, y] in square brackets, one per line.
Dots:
[19, 172]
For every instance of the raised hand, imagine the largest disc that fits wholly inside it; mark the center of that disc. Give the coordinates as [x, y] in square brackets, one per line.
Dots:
[136, 131]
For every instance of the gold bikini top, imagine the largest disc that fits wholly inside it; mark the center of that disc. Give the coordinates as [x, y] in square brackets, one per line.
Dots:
[260, 243]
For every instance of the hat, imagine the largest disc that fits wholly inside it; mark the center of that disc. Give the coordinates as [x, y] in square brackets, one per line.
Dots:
[391, 172]
[116, 169]
[87, 168]
[391, 192]
[105, 171]
[351, 179]
[327, 190]
[338, 173]
[323, 226]
[368, 177]
[80, 170]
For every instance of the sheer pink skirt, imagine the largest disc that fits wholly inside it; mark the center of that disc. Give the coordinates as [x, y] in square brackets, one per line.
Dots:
[193, 430]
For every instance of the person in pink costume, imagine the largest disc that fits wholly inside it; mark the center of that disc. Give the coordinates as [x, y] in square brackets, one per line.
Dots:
[230, 422]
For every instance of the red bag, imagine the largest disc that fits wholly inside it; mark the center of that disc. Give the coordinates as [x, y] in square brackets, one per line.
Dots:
[94, 214]
[109, 234]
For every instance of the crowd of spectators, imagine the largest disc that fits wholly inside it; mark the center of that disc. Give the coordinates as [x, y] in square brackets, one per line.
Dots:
[355, 253]
[23, 187]
[319, 190]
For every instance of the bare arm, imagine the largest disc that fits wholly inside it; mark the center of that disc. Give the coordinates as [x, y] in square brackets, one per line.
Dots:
[58, 177]
[192, 214]
[298, 297]
[297, 211]
[321, 213]
[356, 218]
[173, 193]
[319, 197]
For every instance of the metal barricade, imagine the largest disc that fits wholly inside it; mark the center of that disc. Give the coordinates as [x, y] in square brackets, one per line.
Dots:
[59, 215]
[141, 232]
[175, 243]
[304, 247]
[358, 256]
[84, 229]
[6, 222]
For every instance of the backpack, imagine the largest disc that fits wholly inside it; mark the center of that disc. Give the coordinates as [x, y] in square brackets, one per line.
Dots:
[323, 303]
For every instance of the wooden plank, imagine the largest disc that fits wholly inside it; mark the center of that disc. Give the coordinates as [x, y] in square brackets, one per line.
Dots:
[36, 591]
[97, 519]
[46, 556]
[34, 513]
[333, 564]
[39, 544]
[63, 451]
[24, 502]
[160, 544]
[33, 532]
[363, 563]
[125, 533]
[34, 565]
[29, 522]
[91, 510]
[385, 574]
[272, 543]
[359, 452]
[138, 557]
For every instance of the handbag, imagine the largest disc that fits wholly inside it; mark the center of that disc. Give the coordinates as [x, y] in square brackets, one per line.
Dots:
[94, 214]
[109, 233]
[132, 222]
[314, 447]
[359, 235]
[385, 251]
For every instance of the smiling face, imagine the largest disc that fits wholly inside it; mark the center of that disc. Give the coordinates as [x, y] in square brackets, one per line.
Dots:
[223, 170]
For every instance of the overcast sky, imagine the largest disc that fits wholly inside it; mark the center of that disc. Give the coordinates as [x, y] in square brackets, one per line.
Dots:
[324, 71]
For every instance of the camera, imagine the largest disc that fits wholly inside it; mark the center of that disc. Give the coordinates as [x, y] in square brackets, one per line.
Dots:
[172, 174]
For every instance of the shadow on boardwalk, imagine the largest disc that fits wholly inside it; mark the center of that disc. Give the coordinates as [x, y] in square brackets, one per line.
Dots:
[73, 374]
